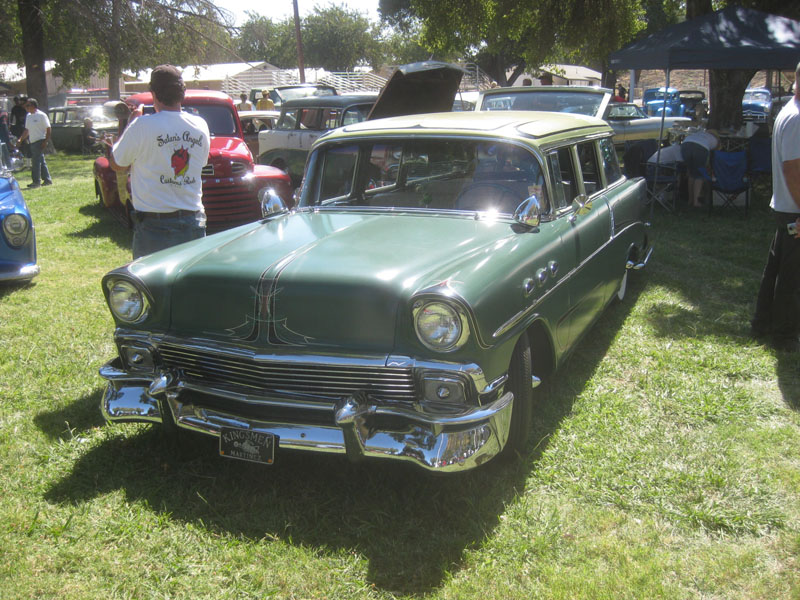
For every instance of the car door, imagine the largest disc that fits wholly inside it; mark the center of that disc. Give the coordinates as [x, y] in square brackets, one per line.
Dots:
[58, 131]
[591, 220]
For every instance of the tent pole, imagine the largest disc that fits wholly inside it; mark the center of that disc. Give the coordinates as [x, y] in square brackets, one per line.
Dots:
[658, 150]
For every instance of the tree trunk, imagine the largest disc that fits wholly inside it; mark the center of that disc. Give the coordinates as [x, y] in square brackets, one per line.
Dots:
[30, 22]
[114, 62]
[726, 90]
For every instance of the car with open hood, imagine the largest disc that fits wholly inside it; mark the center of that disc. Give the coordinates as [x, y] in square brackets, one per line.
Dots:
[18, 262]
[231, 179]
[436, 269]
[629, 122]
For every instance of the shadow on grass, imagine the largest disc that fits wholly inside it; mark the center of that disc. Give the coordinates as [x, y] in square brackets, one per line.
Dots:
[718, 271]
[104, 225]
[6, 289]
[78, 417]
[414, 528]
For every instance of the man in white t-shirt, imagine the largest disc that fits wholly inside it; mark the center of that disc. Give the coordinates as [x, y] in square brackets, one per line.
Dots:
[37, 132]
[777, 313]
[166, 153]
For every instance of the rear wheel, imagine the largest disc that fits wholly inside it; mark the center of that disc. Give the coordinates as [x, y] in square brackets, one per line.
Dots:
[520, 384]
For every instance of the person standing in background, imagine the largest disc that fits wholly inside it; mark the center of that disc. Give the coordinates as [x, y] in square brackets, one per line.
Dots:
[37, 132]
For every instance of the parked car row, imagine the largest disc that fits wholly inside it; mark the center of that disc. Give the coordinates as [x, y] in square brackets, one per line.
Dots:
[437, 268]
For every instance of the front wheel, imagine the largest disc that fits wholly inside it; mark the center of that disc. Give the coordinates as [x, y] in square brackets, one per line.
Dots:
[520, 384]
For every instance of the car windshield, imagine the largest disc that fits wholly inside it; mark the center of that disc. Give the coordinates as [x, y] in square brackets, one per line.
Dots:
[756, 96]
[465, 175]
[304, 92]
[219, 118]
[583, 103]
[625, 112]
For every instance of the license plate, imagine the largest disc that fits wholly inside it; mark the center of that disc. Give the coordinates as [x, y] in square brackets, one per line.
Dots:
[244, 444]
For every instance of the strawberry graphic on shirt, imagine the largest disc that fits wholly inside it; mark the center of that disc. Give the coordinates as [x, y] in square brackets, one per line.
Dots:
[180, 160]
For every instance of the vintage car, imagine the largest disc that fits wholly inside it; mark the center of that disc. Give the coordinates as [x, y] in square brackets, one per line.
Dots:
[231, 179]
[627, 120]
[254, 121]
[630, 123]
[436, 269]
[756, 105]
[658, 100]
[66, 125]
[691, 100]
[301, 122]
[17, 238]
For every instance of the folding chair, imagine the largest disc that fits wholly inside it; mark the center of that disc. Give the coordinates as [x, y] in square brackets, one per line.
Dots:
[663, 186]
[729, 179]
[759, 156]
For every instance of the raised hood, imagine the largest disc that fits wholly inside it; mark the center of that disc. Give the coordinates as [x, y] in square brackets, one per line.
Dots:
[423, 87]
[334, 280]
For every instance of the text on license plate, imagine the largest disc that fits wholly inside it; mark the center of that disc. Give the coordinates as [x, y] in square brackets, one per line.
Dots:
[245, 444]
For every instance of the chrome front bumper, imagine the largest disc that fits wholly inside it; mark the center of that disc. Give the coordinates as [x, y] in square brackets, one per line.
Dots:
[24, 273]
[442, 443]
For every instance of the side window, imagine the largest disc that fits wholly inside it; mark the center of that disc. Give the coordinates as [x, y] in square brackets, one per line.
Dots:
[338, 169]
[610, 163]
[73, 116]
[288, 120]
[57, 118]
[354, 114]
[564, 189]
[330, 118]
[588, 160]
[311, 118]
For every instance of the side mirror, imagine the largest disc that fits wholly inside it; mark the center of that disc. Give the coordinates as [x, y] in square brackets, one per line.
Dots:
[529, 212]
[271, 203]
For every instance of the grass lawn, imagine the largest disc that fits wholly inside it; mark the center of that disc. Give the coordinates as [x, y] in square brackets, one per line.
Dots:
[665, 460]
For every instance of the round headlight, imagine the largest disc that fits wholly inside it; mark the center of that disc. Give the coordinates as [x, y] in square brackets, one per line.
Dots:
[15, 225]
[438, 325]
[126, 301]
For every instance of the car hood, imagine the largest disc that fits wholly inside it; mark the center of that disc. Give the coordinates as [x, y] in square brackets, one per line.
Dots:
[755, 105]
[11, 199]
[317, 279]
[423, 87]
[229, 146]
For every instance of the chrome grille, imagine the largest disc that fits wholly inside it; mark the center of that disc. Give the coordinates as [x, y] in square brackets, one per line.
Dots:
[238, 169]
[208, 170]
[326, 382]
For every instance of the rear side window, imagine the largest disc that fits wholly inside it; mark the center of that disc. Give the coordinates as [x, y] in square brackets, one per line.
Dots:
[564, 190]
[610, 163]
[591, 174]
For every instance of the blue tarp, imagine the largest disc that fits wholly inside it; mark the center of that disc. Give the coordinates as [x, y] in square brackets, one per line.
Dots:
[732, 38]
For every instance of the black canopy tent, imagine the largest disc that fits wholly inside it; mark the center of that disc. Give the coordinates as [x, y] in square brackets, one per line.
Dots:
[732, 38]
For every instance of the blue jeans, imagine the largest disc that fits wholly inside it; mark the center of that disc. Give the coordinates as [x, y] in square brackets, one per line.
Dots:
[152, 233]
[38, 165]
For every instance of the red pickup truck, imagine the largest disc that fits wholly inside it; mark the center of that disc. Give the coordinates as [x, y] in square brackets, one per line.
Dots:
[231, 179]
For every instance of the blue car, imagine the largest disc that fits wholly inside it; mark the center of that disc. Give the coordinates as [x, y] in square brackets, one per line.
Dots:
[17, 237]
[656, 100]
[756, 105]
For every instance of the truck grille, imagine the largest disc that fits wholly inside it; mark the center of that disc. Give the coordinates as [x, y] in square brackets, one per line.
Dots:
[324, 382]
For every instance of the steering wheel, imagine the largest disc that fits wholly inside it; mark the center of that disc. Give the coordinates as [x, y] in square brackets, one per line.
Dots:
[484, 195]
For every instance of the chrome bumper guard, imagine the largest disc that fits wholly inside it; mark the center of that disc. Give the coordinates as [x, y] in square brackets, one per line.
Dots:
[640, 264]
[442, 443]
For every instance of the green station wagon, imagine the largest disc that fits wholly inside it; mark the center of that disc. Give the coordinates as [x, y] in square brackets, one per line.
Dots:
[436, 269]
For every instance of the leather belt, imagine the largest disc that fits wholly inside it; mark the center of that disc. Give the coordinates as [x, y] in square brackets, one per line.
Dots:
[166, 215]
